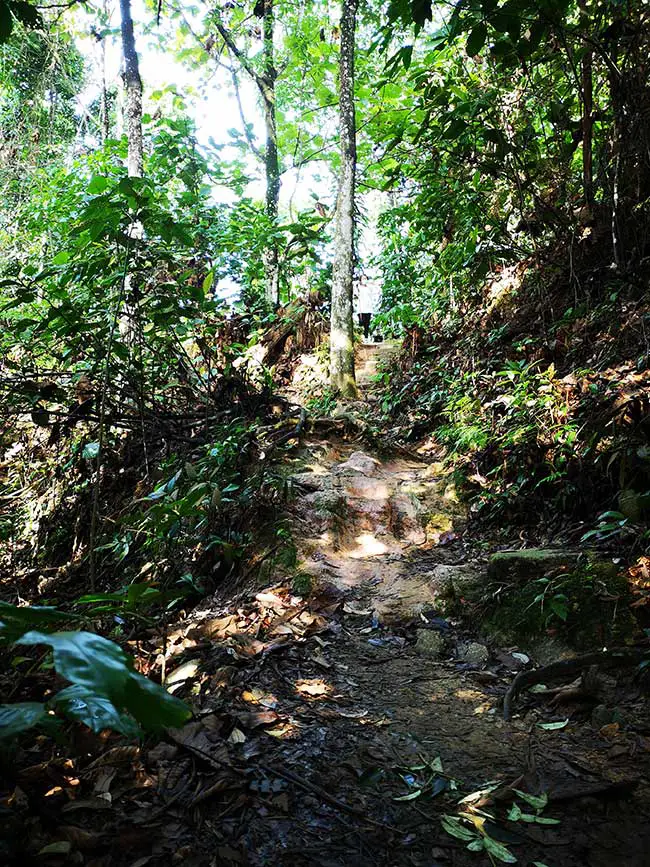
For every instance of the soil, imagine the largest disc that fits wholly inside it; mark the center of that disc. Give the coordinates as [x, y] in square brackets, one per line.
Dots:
[332, 729]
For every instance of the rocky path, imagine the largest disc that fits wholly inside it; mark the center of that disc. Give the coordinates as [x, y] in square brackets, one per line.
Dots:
[357, 724]
[344, 719]
[367, 723]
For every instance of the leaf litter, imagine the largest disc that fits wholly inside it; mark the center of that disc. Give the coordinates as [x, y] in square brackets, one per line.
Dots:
[311, 746]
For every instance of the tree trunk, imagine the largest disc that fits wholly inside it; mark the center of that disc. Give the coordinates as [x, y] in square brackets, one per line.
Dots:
[587, 112]
[271, 164]
[265, 83]
[342, 326]
[133, 86]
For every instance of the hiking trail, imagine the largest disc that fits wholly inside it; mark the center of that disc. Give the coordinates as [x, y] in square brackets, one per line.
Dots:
[339, 727]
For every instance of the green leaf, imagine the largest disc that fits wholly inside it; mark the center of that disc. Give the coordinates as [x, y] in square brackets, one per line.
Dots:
[553, 726]
[536, 801]
[105, 671]
[410, 797]
[559, 605]
[16, 620]
[90, 451]
[476, 40]
[97, 185]
[152, 706]
[515, 813]
[208, 281]
[19, 717]
[452, 825]
[499, 851]
[95, 711]
[61, 258]
[87, 659]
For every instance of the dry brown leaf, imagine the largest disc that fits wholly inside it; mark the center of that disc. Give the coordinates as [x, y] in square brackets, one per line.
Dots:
[257, 718]
[116, 756]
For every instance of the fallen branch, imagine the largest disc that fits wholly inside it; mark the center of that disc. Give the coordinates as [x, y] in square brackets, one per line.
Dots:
[570, 668]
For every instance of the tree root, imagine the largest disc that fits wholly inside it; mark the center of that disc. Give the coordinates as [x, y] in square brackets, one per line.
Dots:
[570, 668]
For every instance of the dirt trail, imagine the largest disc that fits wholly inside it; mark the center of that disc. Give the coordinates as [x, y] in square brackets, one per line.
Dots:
[360, 519]
[364, 714]
[339, 728]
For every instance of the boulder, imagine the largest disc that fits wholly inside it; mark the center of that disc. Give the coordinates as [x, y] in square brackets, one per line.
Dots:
[529, 563]
[358, 462]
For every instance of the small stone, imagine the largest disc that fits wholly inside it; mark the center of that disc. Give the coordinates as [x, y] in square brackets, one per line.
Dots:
[473, 653]
[430, 644]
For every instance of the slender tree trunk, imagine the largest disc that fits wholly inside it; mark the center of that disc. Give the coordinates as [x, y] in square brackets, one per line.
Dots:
[133, 86]
[265, 83]
[587, 112]
[271, 164]
[104, 98]
[342, 325]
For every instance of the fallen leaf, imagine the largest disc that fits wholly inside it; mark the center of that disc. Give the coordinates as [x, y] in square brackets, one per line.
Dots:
[257, 718]
[62, 847]
[553, 726]
[237, 736]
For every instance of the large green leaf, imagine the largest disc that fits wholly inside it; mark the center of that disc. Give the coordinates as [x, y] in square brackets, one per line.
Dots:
[152, 706]
[104, 671]
[88, 660]
[16, 620]
[17, 718]
[95, 711]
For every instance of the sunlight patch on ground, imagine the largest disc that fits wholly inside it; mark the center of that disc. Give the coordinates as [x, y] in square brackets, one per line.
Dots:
[369, 546]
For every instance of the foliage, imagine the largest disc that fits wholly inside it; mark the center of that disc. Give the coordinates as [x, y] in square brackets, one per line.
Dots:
[105, 692]
[587, 606]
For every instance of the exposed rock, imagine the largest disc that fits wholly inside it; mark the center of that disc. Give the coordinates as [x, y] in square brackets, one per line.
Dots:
[405, 518]
[430, 644]
[313, 481]
[358, 462]
[473, 653]
[529, 562]
[451, 582]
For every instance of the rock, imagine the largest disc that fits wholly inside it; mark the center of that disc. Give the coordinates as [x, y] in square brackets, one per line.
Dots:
[312, 481]
[473, 653]
[405, 518]
[447, 584]
[358, 462]
[529, 562]
[430, 644]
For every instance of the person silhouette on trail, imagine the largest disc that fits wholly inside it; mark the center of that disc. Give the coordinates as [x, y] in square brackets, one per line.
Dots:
[368, 295]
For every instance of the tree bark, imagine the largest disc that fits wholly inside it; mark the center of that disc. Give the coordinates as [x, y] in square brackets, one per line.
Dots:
[133, 86]
[587, 112]
[271, 163]
[265, 83]
[342, 377]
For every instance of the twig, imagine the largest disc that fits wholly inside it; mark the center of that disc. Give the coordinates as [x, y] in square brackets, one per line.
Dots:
[313, 789]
